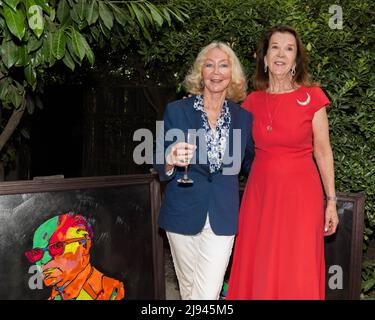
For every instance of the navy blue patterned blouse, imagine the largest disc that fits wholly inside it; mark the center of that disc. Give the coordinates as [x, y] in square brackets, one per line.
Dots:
[216, 139]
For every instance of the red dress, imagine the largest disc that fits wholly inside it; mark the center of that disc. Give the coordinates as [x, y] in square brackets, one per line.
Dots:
[279, 250]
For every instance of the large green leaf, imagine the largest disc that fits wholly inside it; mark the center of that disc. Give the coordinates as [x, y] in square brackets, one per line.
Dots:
[155, 14]
[167, 16]
[69, 61]
[119, 14]
[15, 21]
[148, 15]
[14, 96]
[74, 14]
[37, 58]
[105, 31]
[89, 53]
[52, 15]
[72, 53]
[78, 12]
[177, 15]
[12, 4]
[92, 12]
[4, 87]
[30, 75]
[78, 44]
[9, 53]
[105, 15]
[23, 56]
[58, 44]
[63, 11]
[139, 15]
[81, 8]
[47, 50]
[34, 44]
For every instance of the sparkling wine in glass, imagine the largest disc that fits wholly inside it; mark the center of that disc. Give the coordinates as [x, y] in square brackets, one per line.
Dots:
[190, 139]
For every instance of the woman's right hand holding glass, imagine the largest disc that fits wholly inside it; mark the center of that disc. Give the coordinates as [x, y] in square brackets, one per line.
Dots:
[180, 155]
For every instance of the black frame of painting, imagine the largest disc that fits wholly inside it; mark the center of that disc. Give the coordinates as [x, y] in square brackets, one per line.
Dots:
[46, 184]
[356, 245]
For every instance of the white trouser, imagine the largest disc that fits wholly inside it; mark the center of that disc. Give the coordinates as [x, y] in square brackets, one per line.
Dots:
[200, 262]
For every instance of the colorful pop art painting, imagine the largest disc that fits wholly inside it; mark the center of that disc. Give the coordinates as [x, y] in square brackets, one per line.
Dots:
[81, 239]
[61, 251]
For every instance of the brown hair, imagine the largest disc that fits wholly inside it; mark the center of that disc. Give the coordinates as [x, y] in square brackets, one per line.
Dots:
[261, 78]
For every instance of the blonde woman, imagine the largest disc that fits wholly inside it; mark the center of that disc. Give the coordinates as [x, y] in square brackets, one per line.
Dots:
[200, 215]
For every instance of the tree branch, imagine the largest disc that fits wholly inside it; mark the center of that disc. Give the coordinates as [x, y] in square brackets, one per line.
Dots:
[12, 124]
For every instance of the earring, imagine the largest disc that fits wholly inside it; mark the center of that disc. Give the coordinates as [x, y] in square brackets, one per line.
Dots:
[265, 67]
[293, 71]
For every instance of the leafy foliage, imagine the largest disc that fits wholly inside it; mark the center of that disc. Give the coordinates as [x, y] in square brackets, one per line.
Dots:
[341, 60]
[38, 34]
[368, 276]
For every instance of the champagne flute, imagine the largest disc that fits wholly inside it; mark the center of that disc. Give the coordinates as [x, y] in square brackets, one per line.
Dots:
[190, 139]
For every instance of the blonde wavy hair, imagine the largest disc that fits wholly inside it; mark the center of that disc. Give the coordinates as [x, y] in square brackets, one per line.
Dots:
[238, 85]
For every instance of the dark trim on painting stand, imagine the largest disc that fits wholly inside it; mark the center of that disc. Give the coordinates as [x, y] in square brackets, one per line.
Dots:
[358, 200]
[158, 252]
[60, 184]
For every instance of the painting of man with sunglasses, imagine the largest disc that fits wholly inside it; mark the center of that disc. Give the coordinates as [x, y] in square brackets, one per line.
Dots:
[61, 251]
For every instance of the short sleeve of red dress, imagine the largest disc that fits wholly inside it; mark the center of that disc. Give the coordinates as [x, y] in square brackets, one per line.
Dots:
[248, 103]
[318, 99]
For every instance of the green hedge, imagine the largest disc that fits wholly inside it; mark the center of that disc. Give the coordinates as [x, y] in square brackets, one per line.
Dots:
[343, 61]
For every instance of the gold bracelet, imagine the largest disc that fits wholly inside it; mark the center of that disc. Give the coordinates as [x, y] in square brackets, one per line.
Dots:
[331, 198]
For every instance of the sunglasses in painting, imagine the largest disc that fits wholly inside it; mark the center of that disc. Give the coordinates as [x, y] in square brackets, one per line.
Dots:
[54, 249]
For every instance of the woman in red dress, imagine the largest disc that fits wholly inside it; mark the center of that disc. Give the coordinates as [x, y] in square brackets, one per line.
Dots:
[279, 250]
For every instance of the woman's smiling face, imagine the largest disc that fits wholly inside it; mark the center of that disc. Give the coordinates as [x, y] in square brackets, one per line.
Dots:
[216, 71]
[281, 53]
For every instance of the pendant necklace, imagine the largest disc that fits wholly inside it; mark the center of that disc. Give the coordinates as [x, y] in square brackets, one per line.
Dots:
[269, 126]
